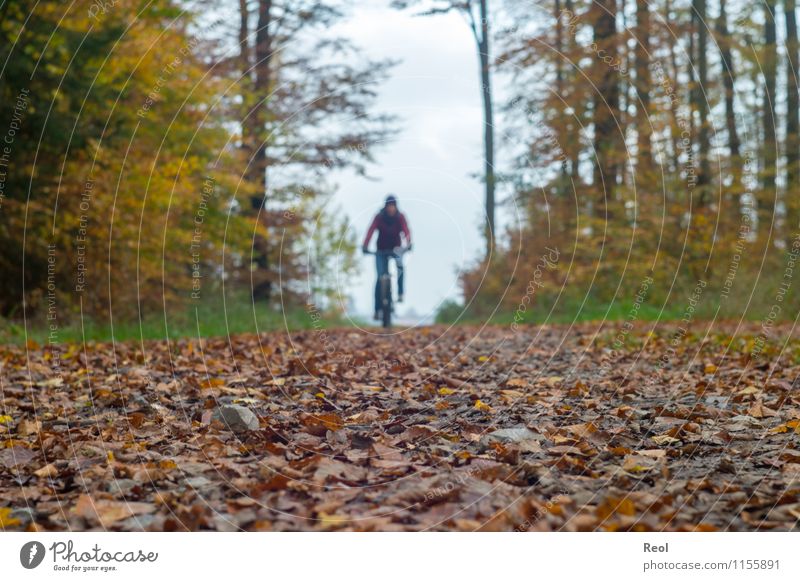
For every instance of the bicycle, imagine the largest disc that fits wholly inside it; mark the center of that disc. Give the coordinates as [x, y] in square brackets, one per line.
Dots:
[386, 305]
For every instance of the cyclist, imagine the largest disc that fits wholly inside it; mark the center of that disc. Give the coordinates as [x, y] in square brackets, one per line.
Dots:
[391, 224]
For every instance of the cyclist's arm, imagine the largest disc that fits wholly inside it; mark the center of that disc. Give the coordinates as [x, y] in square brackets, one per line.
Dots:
[406, 231]
[370, 232]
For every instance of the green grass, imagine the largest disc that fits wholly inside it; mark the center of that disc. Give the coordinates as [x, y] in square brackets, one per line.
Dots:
[210, 319]
[569, 310]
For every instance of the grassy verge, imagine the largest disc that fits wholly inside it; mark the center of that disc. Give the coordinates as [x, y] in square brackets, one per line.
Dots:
[204, 319]
[571, 310]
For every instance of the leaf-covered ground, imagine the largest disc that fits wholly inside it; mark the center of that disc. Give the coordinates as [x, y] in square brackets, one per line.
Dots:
[543, 428]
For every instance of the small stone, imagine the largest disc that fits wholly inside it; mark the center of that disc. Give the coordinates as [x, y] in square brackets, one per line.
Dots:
[510, 436]
[720, 401]
[236, 417]
[121, 485]
[139, 401]
[139, 522]
[25, 515]
[197, 482]
[741, 423]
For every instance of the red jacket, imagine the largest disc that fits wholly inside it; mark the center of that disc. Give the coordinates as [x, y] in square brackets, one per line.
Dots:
[389, 230]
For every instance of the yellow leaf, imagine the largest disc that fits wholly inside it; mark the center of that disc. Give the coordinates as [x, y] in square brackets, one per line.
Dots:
[446, 391]
[613, 505]
[635, 464]
[6, 419]
[553, 381]
[6, 520]
[710, 368]
[330, 521]
[664, 439]
[783, 428]
[212, 382]
[483, 358]
[53, 382]
[479, 405]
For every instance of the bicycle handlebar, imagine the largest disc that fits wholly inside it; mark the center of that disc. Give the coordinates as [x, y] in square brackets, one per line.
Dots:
[399, 251]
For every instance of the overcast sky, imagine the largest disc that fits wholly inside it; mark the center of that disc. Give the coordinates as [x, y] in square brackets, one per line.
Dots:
[429, 165]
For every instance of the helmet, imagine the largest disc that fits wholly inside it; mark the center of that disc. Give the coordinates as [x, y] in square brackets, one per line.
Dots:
[390, 199]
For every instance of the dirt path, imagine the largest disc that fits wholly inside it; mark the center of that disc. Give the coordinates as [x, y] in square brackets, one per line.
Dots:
[499, 429]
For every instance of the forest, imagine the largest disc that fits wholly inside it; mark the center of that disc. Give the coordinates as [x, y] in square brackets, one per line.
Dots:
[168, 144]
[176, 349]
[152, 146]
[657, 148]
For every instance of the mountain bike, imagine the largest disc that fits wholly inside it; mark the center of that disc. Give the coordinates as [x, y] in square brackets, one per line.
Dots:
[386, 304]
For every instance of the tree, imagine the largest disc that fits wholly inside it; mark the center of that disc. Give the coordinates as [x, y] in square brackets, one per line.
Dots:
[606, 109]
[792, 119]
[478, 18]
[307, 107]
[643, 82]
[769, 66]
[124, 194]
[728, 79]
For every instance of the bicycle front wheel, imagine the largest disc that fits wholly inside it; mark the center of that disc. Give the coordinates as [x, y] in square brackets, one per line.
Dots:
[386, 295]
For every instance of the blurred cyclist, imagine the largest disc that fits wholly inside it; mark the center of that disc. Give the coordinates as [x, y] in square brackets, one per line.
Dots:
[391, 225]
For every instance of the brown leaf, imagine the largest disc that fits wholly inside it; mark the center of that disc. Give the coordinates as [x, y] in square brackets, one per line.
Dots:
[49, 471]
[759, 410]
[108, 512]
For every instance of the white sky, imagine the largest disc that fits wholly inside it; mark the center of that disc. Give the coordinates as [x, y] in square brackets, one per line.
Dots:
[429, 165]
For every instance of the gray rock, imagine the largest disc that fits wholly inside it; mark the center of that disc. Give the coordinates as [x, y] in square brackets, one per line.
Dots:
[510, 436]
[236, 417]
[198, 482]
[140, 522]
[25, 515]
[741, 423]
[121, 485]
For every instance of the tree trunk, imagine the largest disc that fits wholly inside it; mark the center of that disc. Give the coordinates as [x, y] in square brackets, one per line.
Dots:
[606, 105]
[769, 66]
[792, 121]
[729, 82]
[249, 128]
[573, 140]
[644, 155]
[488, 125]
[263, 81]
[244, 32]
[673, 76]
[700, 99]
[563, 182]
[257, 168]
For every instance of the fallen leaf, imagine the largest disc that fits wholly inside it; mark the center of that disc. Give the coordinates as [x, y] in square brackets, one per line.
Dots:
[759, 410]
[49, 471]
